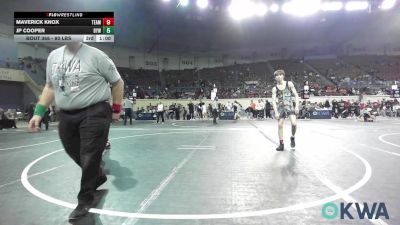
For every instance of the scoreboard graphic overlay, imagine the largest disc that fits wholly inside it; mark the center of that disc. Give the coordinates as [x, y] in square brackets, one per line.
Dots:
[64, 26]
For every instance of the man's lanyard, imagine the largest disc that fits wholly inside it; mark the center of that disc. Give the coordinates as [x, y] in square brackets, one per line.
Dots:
[61, 80]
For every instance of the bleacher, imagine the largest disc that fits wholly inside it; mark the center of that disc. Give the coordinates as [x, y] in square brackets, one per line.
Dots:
[348, 72]
[140, 77]
[381, 67]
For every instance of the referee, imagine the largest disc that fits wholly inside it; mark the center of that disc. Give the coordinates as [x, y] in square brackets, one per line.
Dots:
[128, 105]
[78, 78]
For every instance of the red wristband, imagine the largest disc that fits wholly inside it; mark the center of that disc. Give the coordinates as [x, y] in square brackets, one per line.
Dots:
[116, 108]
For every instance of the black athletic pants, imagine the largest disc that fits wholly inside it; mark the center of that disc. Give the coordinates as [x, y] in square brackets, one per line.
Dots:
[215, 115]
[84, 134]
[128, 113]
[160, 114]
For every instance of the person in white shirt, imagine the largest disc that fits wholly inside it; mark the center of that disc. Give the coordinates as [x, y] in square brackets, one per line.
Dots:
[260, 108]
[368, 114]
[228, 106]
[160, 112]
[127, 104]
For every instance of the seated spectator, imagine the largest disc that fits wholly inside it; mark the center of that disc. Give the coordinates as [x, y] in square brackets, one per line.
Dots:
[368, 115]
[7, 119]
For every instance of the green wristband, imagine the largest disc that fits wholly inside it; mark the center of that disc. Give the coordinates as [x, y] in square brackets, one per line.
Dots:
[40, 110]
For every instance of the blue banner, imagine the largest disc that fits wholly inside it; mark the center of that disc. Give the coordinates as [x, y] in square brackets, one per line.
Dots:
[321, 114]
[226, 115]
[146, 116]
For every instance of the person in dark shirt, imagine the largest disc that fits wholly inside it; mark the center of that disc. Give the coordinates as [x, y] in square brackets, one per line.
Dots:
[389, 107]
[285, 104]
[30, 110]
[171, 112]
[335, 108]
[352, 109]
[191, 110]
[268, 109]
[185, 114]
[177, 112]
[327, 105]
[46, 119]
[341, 108]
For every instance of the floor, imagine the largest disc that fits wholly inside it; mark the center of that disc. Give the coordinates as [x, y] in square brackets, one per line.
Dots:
[193, 172]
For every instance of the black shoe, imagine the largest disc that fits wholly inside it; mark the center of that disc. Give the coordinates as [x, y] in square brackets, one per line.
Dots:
[280, 148]
[80, 211]
[292, 143]
[101, 180]
[108, 145]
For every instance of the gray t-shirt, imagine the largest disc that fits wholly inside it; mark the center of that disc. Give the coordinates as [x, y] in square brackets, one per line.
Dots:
[80, 79]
